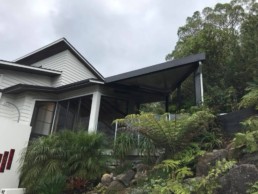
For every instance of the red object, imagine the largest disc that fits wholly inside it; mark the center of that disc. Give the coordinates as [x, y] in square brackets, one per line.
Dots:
[2, 167]
[10, 159]
[1, 155]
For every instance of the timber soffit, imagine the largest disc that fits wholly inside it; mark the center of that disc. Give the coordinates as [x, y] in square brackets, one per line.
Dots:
[37, 70]
[54, 48]
[156, 68]
[34, 88]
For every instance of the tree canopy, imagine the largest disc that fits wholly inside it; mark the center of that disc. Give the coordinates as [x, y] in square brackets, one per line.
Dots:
[228, 34]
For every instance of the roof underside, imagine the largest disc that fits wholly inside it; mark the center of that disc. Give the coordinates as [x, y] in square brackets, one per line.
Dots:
[158, 79]
[28, 69]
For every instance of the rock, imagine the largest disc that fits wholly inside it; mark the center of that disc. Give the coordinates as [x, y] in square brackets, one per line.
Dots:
[126, 178]
[209, 160]
[106, 179]
[115, 186]
[249, 158]
[142, 168]
[136, 190]
[238, 179]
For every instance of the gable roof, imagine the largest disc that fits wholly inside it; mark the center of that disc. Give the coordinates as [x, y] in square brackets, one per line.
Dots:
[52, 49]
[28, 69]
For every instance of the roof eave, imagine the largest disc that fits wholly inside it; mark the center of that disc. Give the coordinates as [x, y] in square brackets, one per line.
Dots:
[19, 88]
[28, 69]
[159, 67]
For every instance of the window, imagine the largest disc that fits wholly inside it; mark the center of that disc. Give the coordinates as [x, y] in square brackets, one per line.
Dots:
[111, 109]
[1, 79]
[73, 114]
[42, 118]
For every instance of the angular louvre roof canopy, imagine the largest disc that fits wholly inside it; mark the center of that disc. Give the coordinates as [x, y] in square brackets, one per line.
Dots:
[52, 49]
[162, 78]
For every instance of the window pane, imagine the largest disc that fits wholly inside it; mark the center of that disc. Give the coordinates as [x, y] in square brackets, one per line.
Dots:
[42, 118]
[111, 109]
[73, 114]
[60, 123]
[84, 113]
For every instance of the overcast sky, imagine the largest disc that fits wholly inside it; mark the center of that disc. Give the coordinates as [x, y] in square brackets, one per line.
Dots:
[114, 35]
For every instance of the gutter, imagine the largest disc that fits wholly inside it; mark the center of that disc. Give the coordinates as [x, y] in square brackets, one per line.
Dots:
[25, 87]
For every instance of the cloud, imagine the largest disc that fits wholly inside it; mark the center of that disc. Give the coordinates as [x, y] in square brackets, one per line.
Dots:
[24, 25]
[114, 35]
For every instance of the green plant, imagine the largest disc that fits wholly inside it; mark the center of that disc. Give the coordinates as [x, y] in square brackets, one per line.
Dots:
[207, 184]
[50, 161]
[124, 144]
[51, 184]
[176, 183]
[189, 154]
[253, 189]
[210, 140]
[251, 98]
[248, 140]
[173, 135]
[147, 149]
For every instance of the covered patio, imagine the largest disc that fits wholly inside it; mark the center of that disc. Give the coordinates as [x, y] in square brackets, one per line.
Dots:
[124, 93]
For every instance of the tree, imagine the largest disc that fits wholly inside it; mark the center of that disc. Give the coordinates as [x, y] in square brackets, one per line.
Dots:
[224, 33]
[172, 135]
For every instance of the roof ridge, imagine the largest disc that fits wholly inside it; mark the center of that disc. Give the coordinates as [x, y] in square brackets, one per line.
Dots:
[39, 49]
[67, 46]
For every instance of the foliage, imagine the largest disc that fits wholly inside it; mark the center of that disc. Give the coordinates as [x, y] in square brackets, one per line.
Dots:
[127, 142]
[248, 139]
[228, 35]
[253, 189]
[50, 161]
[155, 107]
[207, 184]
[251, 98]
[124, 144]
[173, 135]
[189, 154]
[178, 184]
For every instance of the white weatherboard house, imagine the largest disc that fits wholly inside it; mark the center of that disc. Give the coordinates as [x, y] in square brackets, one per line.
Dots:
[56, 88]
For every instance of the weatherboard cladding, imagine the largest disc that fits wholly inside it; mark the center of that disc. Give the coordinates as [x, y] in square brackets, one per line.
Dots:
[55, 48]
[24, 102]
[7, 111]
[72, 69]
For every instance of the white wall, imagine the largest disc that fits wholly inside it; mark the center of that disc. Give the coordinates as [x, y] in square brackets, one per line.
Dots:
[12, 136]
[25, 103]
[72, 69]
[12, 191]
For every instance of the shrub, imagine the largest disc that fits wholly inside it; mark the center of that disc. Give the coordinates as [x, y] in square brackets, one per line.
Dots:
[248, 140]
[251, 98]
[50, 161]
[173, 135]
